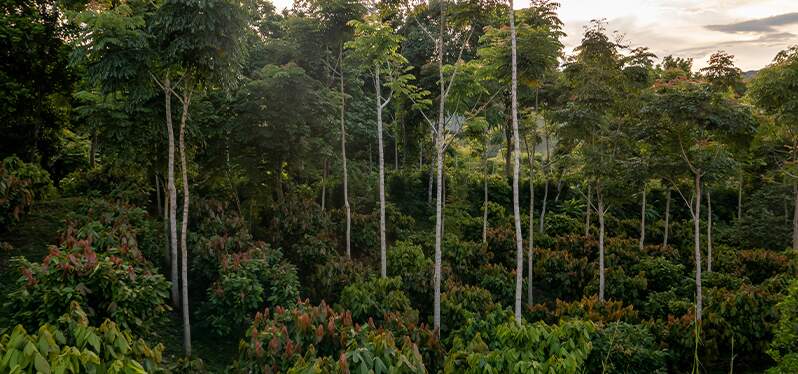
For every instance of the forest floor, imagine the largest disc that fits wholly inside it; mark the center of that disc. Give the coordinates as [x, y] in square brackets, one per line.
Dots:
[40, 228]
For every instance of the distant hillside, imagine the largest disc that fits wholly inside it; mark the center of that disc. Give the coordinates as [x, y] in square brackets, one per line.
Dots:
[748, 75]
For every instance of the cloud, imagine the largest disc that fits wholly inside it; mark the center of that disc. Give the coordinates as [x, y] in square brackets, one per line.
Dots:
[761, 25]
[766, 40]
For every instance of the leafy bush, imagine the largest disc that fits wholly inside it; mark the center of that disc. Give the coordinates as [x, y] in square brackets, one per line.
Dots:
[513, 348]
[591, 309]
[761, 264]
[311, 338]
[247, 282]
[122, 183]
[20, 184]
[73, 345]
[407, 261]
[561, 275]
[621, 347]
[331, 277]
[375, 297]
[466, 258]
[107, 285]
[119, 225]
[784, 347]
[460, 304]
[499, 281]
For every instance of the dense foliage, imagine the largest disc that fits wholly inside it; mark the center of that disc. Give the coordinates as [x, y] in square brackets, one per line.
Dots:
[332, 188]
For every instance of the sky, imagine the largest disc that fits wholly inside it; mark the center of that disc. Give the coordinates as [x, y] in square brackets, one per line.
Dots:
[751, 30]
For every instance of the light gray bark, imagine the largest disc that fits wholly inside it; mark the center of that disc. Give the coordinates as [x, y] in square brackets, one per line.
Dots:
[439, 150]
[184, 227]
[170, 185]
[519, 241]
[343, 157]
[381, 160]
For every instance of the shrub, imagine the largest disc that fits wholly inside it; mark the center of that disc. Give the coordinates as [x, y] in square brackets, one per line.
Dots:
[661, 274]
[331, 277]
[784, 347]
[126, 184]
[761, 264]
[460, 304]
[314, 337]
[73, 345]
[466, 258]
[620, 347]
[106, 285]
[664, 304]
[560, 275]
[407, 261]
[591, 309]
[524, 348]
[119, 225]
[248, 281]
[375, 297]
[499, 281]
[621, 286]
[20, 184]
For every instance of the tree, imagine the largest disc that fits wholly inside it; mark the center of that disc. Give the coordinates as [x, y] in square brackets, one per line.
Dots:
[722, 73]
[377, 45]
[199, 42]
[519, 236]
[773, 91]
[697, 126]
[592, 119]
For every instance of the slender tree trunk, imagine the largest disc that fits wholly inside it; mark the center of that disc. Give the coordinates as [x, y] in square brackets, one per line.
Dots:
[432, 171]
[170, 175]
[184, 226]
[508, 137]
[643, 219]
[166, 226]
[588, 209]
[519, 241]
[343, 155]
[381, 160]
[439, 148]
[667, 216]
[601, 212]
[709, 232]
[697, 246]
[559, 188]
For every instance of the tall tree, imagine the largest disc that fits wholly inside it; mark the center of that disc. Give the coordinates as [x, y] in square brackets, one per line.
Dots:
[773, 90]
[376, 44]
[697, 126]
